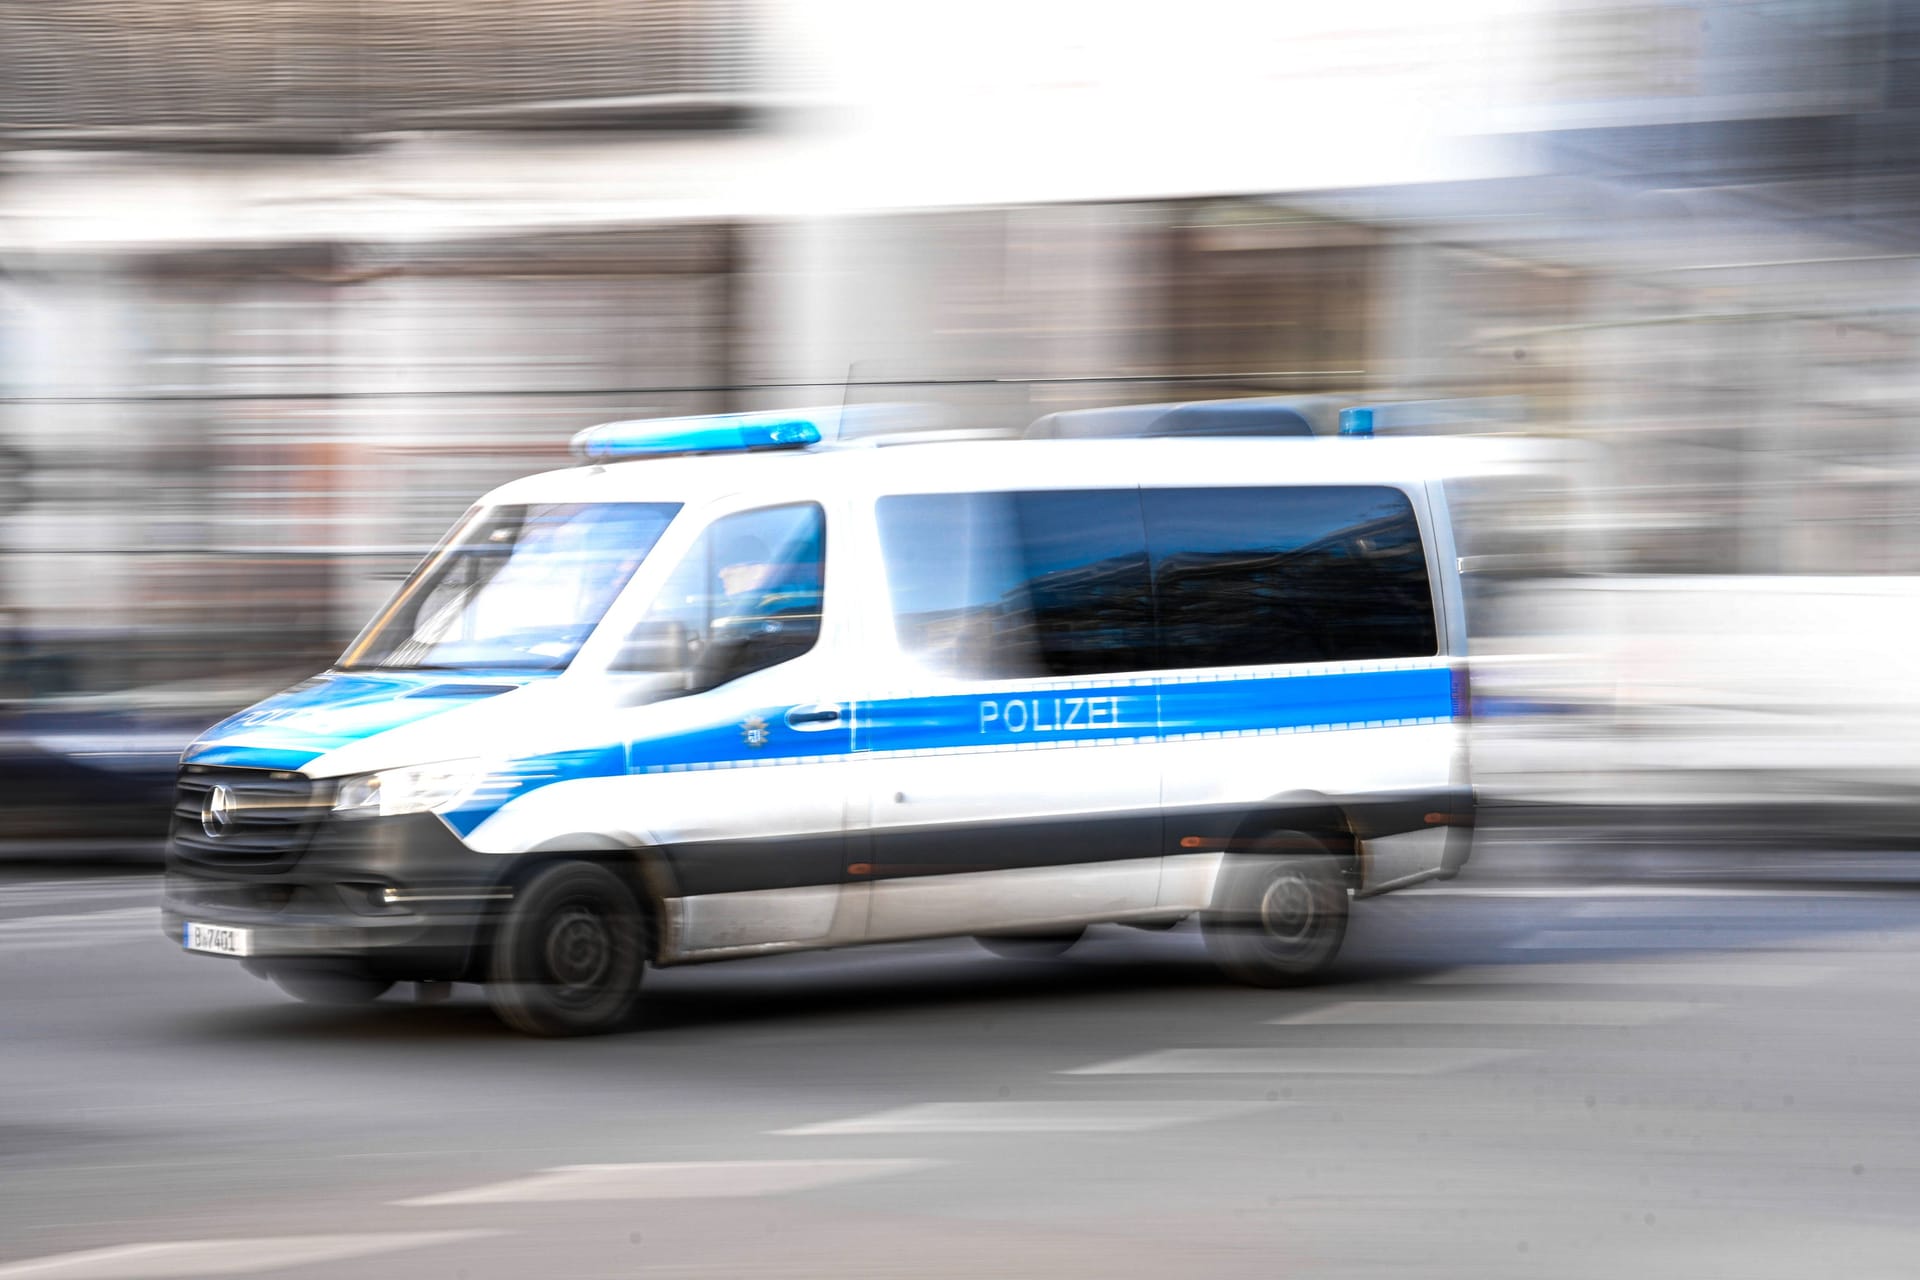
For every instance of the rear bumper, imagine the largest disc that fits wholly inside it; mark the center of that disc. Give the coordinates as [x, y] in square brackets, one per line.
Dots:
[402, 895]
[1459, 845]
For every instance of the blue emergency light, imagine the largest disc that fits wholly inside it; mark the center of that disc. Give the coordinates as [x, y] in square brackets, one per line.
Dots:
[1357, 421]
[715, 433]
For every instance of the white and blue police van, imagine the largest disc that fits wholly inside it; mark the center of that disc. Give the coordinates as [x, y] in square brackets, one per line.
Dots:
[732, 687]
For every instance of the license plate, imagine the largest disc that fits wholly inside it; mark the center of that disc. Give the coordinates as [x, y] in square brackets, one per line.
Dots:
[218, 939]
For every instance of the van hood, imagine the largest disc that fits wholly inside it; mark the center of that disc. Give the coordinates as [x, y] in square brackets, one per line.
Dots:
[338, 709]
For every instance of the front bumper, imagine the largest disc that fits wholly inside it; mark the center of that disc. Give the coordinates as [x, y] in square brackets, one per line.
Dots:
[402, 895]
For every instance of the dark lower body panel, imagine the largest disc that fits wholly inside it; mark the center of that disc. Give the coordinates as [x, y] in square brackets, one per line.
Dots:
[329, 905]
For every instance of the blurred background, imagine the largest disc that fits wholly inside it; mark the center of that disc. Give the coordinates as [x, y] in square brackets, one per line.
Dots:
[285, 284]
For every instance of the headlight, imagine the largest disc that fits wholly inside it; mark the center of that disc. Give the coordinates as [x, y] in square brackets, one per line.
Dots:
[421, 789]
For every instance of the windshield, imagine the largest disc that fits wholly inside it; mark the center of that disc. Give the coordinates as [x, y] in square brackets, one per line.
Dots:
[516, 587]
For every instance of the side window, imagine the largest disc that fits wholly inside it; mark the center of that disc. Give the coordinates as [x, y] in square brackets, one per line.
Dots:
[1252, 576]
[746, 597]
[1006, 585]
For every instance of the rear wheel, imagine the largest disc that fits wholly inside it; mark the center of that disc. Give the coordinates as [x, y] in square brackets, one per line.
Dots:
[1278, 918]
[569, 956]
[1050, 945]
[318, 982]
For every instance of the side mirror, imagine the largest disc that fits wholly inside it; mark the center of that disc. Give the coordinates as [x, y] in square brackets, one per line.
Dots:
[655, 645]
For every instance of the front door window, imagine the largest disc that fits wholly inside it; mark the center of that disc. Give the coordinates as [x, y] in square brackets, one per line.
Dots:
[746, 597]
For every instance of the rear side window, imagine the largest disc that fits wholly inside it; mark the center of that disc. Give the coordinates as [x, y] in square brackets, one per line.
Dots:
[1006, 585]
[1246, 577]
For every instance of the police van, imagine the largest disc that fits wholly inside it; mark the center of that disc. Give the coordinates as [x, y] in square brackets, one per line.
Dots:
[733, 687]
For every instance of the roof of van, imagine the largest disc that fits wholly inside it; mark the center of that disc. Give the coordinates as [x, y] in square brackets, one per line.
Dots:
[1260, 416]
[966, 466]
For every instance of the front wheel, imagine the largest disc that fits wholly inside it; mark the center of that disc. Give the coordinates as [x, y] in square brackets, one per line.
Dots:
[569, 956]
[1278, 918]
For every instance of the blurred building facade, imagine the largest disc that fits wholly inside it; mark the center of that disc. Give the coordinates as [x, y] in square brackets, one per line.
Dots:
[284, 286]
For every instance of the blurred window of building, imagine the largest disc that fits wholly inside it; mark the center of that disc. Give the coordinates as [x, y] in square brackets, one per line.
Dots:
[290, 74]
[1609, 51]
[1252, 287]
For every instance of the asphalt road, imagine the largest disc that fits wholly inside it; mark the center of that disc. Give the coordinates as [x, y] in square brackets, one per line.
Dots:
[1499, 1081]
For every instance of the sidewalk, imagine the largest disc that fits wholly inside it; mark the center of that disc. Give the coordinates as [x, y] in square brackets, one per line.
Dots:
[1559, 807]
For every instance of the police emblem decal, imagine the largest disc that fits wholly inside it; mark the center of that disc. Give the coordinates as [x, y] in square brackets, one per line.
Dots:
[754, 730]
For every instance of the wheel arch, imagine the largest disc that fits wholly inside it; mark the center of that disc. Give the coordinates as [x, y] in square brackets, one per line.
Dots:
[644, 869]
[1309, 813]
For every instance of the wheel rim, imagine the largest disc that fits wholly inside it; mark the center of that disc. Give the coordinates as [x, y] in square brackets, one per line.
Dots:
[579, 951]
[1289, 910]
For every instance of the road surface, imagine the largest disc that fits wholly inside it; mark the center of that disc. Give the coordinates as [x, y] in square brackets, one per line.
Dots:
[1498, 1081]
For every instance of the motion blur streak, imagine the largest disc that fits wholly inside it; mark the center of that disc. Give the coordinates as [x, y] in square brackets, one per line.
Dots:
[283, 286]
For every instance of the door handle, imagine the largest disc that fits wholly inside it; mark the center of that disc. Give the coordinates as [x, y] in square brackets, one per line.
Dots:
[814, 716]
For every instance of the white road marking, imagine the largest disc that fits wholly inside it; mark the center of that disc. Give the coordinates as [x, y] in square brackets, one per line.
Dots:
[1681, 936]
[223, 1257]
[1297, 1060]
[1636, 891]
[1655, 911]
[41, 891]
[1633, 973]
[1493, 1013]
[1028, 1117]
[80, 929]
[115, 917]
[679, 1180]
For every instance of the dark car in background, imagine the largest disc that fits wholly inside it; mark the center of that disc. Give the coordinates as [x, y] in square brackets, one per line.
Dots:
[91, 775]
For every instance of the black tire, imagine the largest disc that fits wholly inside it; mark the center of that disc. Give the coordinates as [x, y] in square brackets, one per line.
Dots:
[568, 958]
[320, 982]
[1278, 918]
[1050, 945]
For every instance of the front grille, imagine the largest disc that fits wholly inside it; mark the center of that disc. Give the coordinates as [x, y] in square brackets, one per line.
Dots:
[271, 817]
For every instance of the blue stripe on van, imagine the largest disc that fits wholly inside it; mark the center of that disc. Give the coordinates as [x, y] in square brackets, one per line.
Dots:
[334, 709]
[1335, 699]
[511, 781]
[1084, 714]
[248, 755]
[1045, 717]
[1170, 708]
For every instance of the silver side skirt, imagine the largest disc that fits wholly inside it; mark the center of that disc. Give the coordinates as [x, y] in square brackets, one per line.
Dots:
[726, 926]
[722, 926]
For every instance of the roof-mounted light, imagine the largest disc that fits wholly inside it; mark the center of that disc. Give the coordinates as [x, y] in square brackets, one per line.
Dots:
[1357, 421]
[717, 433]
[1245, 416]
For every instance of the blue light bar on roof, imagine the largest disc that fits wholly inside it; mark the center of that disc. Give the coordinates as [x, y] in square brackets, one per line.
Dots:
[1357, 421]
[718, 433]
